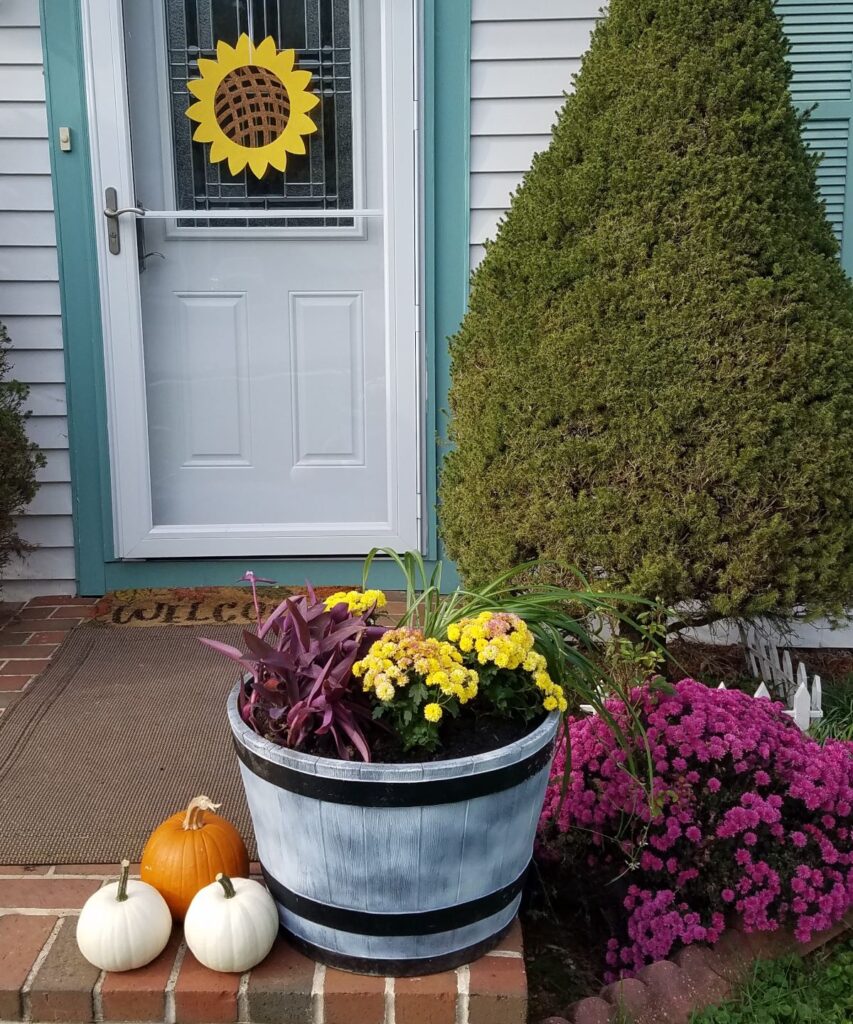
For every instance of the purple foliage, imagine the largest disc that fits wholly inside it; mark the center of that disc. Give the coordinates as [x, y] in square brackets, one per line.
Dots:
[748, 815]
[300, 667]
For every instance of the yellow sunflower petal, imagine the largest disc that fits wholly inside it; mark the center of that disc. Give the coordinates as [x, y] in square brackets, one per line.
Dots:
[257, 161]
[198, 111]
[242, 51]
[208, 68]
[265, 52]
[225, 54]
[205, 132]
[303, 124]
[284, 63]
[301, 102]
[218, 150]
[293, 142]
[237, 159]
[199, 88]
[300, 79]
[277, 156]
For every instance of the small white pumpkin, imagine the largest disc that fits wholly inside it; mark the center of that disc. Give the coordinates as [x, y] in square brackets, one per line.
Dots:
[231, 924]
[125, 925]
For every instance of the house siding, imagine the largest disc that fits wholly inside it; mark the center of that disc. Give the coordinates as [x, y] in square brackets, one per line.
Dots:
[523, 56]
[29, 300]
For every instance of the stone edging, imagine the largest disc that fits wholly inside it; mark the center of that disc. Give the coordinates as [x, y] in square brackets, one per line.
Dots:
[667, 992]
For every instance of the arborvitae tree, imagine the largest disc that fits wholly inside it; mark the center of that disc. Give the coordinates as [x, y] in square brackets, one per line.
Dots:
[19, 458]
[654, 382]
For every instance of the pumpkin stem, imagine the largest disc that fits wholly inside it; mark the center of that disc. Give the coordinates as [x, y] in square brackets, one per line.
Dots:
[227, 885]
[194, 818]
[121, 892]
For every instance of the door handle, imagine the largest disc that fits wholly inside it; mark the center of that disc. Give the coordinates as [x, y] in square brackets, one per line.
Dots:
[112, 212]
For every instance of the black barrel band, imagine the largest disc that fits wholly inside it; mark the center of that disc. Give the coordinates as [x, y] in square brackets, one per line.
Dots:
[421, 922]
[424, 793]
[397, 968]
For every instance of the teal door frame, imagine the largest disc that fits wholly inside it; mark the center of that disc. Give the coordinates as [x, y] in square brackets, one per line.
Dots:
[446, 75]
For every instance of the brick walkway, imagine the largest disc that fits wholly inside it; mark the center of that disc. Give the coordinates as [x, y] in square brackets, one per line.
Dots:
[29, 635]
[43, 977]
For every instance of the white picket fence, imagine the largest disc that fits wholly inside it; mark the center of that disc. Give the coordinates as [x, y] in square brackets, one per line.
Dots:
[804, 701]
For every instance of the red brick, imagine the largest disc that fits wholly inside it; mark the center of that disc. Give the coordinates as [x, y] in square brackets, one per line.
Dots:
[23, 667]
[203, 996]
[46, 893]
[21, 941]
[34, 614]
[140, 994]
[24, 869]
[353, 998]
[512, 942]
[280, 987]
[14, 684]
[705, 986]
[427, 1000]
[498, 991]
[69, 611]
[51, 636]
[62, 988]
[629, 996]
[58, 599]
[110, 870]
[669, 994]
[28, 651]
[592, 1010]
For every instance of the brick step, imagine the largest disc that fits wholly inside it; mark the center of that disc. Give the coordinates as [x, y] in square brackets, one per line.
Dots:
[44, 977]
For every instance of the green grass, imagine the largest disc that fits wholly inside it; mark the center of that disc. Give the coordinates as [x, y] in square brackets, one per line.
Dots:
[837, 721]
[793, 990]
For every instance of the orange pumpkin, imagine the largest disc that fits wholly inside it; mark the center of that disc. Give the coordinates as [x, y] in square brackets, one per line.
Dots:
[188, 851]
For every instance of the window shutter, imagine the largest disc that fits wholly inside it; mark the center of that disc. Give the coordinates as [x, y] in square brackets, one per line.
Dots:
[821, 35]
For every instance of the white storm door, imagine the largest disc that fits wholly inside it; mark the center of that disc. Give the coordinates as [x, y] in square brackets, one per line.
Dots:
[261, 332]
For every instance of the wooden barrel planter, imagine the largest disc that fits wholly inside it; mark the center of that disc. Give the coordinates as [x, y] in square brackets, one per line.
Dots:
[401, 869]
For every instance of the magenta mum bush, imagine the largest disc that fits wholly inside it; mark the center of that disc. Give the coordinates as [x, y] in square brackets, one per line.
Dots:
[750, 816]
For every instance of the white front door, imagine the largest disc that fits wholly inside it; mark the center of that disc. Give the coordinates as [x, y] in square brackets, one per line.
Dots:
[261, 346]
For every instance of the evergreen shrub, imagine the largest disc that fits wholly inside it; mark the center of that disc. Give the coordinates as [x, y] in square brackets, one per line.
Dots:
[654, 381]
[19, 458]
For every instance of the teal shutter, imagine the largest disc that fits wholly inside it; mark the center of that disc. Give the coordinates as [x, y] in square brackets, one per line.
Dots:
[821, 35]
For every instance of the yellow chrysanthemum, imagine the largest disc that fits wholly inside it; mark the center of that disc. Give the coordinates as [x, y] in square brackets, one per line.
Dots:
[433, 712]
[357, 601]
[252, 106]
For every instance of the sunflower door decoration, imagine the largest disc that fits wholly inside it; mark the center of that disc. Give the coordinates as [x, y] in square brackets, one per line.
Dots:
[252, 106]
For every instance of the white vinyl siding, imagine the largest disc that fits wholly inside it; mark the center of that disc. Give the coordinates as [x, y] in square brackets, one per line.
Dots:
[523, 56]
[29, 300]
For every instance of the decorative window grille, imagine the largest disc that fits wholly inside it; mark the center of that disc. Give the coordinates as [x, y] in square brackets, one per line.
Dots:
[319, 32]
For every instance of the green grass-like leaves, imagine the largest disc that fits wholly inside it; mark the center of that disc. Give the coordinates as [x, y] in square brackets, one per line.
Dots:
[793, 990]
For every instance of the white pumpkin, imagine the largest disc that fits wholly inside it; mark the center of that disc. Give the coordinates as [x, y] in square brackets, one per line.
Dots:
[124, 925]
[231, 924]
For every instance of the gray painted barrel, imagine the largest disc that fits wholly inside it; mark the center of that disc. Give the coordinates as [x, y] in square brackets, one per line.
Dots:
[395, 869]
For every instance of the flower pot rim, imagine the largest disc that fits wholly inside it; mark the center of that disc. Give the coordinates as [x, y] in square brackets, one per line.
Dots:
[416, 771]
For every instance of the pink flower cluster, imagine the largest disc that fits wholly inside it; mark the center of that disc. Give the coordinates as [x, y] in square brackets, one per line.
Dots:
[746, 814]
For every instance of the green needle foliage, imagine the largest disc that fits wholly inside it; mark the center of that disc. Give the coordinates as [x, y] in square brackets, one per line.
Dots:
[19, 458]
[654, 382]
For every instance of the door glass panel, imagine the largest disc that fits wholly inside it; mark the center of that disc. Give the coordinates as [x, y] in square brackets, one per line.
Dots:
[322, 179]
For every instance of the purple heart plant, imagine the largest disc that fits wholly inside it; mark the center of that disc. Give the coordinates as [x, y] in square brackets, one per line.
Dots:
[299, 683]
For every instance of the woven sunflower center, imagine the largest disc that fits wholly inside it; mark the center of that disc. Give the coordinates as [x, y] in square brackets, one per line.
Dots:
[251, 106]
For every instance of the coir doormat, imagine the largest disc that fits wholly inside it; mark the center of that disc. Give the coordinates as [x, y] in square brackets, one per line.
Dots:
[122, 729]
[191, 606]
